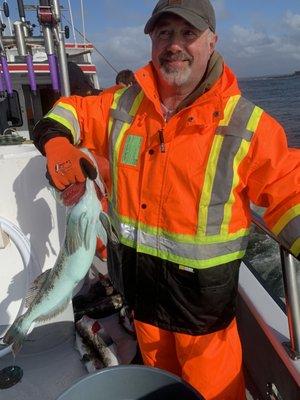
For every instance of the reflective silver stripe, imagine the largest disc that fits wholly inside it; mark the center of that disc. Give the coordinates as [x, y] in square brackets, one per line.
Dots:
[123, 107]
[127, 231]
[238, 123]
[233, 134]
[191, 251]
[197, 251]
[290, 233]
[122, 110]
[120, 115]
[66, 118]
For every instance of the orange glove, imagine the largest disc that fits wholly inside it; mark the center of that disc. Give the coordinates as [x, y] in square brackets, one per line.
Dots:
[66, 164]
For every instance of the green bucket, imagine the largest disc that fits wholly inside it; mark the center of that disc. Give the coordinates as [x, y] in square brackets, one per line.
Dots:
[131, 382]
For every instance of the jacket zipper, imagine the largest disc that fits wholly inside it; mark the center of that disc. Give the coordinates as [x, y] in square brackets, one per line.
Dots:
[162, 141]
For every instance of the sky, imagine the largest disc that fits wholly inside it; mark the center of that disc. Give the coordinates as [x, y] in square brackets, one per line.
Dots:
[256, 38]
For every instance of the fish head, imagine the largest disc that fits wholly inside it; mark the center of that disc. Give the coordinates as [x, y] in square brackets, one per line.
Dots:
[99, 182]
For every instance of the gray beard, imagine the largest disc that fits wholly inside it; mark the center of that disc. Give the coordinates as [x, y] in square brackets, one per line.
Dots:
[174, 77]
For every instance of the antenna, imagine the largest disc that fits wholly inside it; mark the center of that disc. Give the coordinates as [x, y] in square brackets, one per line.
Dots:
[72, 22]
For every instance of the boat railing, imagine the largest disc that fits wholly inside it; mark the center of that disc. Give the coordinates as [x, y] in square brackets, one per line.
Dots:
[291, 279]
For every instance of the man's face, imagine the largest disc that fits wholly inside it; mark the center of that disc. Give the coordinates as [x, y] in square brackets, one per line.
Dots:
[180, 52]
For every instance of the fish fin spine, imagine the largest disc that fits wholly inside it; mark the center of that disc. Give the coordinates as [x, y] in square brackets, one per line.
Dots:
[54, 312]
[35, 287]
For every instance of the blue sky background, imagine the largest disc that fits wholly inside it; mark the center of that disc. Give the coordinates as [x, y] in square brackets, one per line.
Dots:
[257, 37]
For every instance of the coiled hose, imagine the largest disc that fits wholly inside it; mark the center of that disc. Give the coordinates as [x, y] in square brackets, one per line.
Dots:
[28, 257]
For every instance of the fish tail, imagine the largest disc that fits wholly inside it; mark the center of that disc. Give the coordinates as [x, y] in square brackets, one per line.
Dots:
[16, 334]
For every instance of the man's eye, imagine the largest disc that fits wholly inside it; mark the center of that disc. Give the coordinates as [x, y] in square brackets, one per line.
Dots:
[189, 34]
[164, 34]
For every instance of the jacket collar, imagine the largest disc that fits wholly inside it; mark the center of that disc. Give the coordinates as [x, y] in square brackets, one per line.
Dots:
[222, 84]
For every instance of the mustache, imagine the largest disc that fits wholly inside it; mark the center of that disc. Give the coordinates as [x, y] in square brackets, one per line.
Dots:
[169, 56]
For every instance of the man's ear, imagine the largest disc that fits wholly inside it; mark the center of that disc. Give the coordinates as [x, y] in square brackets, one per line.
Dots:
[213, 41]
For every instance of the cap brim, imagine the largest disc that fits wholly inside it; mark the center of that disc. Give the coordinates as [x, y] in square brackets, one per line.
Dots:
[195, 20]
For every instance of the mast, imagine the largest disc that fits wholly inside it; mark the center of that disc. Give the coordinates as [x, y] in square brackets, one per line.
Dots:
[23, 29]
[62, 57]
[50, 19]
[3, 57]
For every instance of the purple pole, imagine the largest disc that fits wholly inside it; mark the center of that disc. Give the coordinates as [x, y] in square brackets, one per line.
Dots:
[2, 87]
[53, 72]
[6, 75]
[31, 75]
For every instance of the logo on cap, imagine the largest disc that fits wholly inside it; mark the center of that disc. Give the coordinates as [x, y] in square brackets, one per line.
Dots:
[170, 2]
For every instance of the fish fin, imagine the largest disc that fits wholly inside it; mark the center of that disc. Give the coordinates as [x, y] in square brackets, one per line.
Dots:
[55, 311]
[87, 234]
[101, 232]
[105, 221]
[83, 224]
[75, 233]
[35, 287]
[16, 334]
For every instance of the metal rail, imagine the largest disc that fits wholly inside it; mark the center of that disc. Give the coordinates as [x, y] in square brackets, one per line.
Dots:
[291, 278]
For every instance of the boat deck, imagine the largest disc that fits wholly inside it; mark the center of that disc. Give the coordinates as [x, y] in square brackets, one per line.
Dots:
[50, 361]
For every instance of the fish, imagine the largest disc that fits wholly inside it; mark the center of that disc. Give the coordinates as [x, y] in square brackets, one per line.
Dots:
[88, 355]
[52, 291]
[98, 340]
[99, 308]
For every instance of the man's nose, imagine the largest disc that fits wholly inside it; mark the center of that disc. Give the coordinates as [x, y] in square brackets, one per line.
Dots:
[175, 42]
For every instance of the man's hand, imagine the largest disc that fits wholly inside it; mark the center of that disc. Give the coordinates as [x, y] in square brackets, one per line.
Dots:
[66, 164]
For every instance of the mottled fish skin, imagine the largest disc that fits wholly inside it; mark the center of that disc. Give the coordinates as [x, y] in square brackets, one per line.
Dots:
[100, 341]
[73, 263]
[88, 356]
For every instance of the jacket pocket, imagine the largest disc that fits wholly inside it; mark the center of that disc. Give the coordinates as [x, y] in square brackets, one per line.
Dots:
[202, 301]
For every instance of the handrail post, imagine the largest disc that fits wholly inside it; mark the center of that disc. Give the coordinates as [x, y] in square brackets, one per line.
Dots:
[291, 279]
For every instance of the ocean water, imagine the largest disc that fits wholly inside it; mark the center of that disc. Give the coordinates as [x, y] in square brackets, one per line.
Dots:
[280, 97]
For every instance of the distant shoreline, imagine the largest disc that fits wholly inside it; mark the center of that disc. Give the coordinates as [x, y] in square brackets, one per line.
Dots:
[296, 73]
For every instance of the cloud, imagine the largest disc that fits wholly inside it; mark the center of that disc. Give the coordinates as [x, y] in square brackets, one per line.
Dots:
[249, 41]
[292, 20]
[220, 10]
[249, 50]
[249, 37]
[253, 51]
[125, 48]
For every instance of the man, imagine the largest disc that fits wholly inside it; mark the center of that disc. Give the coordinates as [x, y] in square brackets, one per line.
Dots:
[80, 84]
[187, 155]
[125, 78]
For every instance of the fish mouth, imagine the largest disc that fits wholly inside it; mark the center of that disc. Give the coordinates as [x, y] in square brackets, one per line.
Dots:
[73, 193]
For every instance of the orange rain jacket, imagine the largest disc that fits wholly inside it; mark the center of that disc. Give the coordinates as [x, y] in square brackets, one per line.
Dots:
[181, 190]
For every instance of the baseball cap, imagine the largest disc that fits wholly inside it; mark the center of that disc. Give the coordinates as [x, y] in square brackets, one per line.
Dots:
[199, 13]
